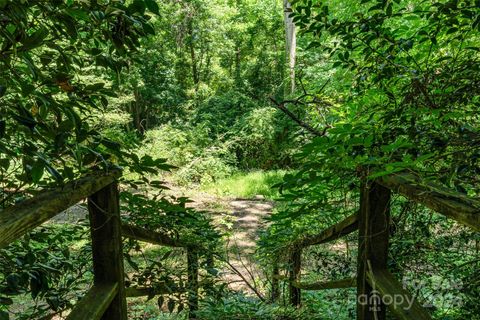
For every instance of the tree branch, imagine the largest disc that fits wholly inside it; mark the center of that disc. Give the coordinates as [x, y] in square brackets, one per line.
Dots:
[281, 106]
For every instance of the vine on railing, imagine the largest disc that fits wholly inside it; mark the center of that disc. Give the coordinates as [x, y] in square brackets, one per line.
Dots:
[374, 281]
[107, 297]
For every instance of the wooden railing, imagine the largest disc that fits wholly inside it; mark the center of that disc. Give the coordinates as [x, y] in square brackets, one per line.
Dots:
[372, 222]
[107, 297]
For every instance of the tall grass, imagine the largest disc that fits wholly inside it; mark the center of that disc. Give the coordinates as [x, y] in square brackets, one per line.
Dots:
[247, 184]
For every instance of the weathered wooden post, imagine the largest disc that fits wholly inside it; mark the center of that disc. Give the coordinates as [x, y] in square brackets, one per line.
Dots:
[373, 234]
[192, 269]
[294, 275]
[105, 228]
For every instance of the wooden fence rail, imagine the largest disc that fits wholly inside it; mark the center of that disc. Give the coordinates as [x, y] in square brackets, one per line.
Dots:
[107, 298]
[374, 282]
[19, 219]
[451, 203]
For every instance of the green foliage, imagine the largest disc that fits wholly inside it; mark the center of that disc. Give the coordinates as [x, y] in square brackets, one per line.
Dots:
[46, 105]
[192, 150]
[51, 265]
[394, 91]
[171, 216]
[412, 102]
[390, 85]
[248, 185]
[239, 306]
[259, 140]
[403, 75]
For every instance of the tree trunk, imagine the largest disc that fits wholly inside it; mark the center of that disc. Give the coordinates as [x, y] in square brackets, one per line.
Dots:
[238, 72]
[291, 42]
[193, 57]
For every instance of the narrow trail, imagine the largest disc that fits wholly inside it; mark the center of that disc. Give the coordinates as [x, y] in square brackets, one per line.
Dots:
[248, 215]
[243, 219]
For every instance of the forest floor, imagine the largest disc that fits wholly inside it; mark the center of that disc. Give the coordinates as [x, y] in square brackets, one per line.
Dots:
[242, 220]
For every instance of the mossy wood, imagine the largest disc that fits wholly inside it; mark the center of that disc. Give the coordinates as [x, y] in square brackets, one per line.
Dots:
[153, 237]
[405, 306]
[95, 302]
[453, 204]
[107, 248]
[295, 265]
[192, 268]
[19, 219]
[373, 235]
[336, 284]
[346, 226]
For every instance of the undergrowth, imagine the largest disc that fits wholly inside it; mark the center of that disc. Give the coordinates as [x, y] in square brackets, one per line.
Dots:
[247, 185]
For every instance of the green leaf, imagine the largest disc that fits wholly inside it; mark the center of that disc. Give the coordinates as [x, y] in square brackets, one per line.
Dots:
[137, 6]
[95, 87]
[160, 302]
[37, 171]
[35, 39]
[389, 9]
[112, 145]
[152, 6]
[54, 173]
[147, 27]
[5, 163]
[12, 281]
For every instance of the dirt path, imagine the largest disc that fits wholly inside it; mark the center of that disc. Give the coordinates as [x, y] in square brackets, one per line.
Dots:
[248, 221]
[242, 219]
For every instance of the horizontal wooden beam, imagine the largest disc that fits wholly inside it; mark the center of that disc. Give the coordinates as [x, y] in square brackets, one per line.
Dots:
[153, 237]
[21, 218]
[95, 302]
[337, 284]
[453, 204]
[347, 226]
[400, 302]
[159, 289]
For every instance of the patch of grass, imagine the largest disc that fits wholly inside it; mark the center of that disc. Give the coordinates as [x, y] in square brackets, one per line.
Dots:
[247, 185]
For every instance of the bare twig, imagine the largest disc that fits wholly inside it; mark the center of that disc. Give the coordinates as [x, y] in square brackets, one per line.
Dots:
[234, 269]
[281, 106]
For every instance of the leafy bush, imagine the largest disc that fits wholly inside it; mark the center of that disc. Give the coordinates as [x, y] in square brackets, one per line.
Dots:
[220, 112]
[241, 307]
[203, 170]
[45, 271]
[246, 185]
[259, 140]
[192, 150]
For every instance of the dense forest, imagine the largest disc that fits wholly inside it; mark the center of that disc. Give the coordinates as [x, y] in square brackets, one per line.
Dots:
[240, 159]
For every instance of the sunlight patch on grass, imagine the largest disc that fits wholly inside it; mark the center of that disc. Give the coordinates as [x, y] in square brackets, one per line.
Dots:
[247, 184]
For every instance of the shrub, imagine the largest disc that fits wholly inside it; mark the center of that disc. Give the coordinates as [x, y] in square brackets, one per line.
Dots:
[198, 158]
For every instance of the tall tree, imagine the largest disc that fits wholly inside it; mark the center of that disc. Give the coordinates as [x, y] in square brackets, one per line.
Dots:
[291, 42]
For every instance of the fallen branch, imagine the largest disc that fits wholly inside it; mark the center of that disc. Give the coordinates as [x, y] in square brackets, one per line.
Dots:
[234, 269]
